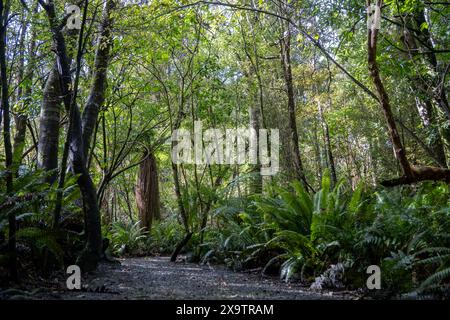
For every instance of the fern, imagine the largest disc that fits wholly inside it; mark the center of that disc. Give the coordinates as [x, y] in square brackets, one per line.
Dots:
[42, 239]
[126, 237]
[435, 279]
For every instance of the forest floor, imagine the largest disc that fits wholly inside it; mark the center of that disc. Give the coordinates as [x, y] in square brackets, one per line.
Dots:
[157, 278]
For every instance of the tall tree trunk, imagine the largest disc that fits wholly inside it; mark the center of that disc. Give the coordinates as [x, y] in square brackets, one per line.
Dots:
[425, 102]
[20, 118]
[4, 16]
[176, 174]
[25, 78]
[91, 254]
[256, 115]
[383, 98]
[329, 149]
[318, 154]
[147, 192]
[50, 116]
[285, 44]
[49, 125]
[439, 92]
[97, 92]
[183, 213]
[255, 124]
[411, 174]
[177, 185]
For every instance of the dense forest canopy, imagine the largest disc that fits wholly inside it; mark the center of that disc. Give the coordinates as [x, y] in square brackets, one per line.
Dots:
[347, 100]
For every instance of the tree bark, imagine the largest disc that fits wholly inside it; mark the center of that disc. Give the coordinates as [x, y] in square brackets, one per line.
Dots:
[177, 185]
[147, 192]
[255, 124]
[26, 75]
[425, 102]
[49, 125]
[93, 249]
[5, 108]
[328, 146]
[411, 174]
[92, 252]
[285, 44]
[439, 93]
[176, 175]
[97, 92]
[53, 97]
[256, 115]
[383, 99]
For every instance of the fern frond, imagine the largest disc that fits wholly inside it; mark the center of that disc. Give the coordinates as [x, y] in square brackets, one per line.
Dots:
[435, 279]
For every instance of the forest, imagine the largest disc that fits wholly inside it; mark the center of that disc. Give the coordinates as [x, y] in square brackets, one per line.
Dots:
[294, 144]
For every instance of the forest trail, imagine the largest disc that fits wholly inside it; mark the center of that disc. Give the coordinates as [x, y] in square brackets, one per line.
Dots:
[155, 278]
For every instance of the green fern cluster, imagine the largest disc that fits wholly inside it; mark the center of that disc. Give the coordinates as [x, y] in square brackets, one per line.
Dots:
[126, 237]
[166, 234]
[32, 204]
[404, 230]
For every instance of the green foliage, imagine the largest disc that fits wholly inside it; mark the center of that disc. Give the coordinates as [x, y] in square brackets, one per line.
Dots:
[166, 234]
[240, 237]
[303, 233]
[32, 204]
[202, 62]
[41, 240]
[127, 237]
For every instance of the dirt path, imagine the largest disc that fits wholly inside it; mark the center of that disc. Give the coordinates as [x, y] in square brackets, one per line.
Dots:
[158, 278]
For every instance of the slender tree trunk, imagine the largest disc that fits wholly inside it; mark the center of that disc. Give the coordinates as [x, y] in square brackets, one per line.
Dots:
[183, 213]
[255, 124]
[20, 119]
[411, 174]
[176, 179]
[177, 185]
[317, 153]
[19, 138]
[256, 116]
[26, 75]
[425, 101]
[176, 175]
[97, 92]
[329, 149]
[383, 98]
[91, 254]
[147, 192]
[285, 44]
[52, 98]
[439, 93]
[4, 16]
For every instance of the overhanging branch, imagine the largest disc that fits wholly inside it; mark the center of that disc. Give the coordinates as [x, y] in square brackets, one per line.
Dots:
[310, 38]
